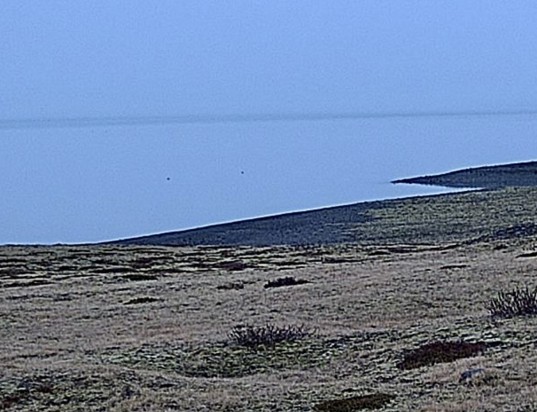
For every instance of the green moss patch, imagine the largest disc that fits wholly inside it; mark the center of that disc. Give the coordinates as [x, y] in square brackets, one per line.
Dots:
[225, 360]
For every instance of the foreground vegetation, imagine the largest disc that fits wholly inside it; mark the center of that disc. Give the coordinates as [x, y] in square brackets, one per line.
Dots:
[389, 328]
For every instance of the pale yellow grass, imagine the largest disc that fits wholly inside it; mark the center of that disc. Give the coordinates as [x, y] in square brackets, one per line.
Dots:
[77, 344]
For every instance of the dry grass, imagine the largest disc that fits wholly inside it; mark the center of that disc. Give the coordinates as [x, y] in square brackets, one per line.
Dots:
[77, 334]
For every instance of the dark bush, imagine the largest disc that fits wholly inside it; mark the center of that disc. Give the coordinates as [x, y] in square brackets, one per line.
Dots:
[516, 302]
[440, 352]
[268, 335]
[136, 277]
[26, 391]
[231, 286]
[233, 266]
[372, 401]
[111, 269]
[140, 300]
[286, 281]
[33, 282]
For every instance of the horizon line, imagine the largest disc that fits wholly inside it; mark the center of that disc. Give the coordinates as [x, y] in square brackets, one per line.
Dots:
[112, 121]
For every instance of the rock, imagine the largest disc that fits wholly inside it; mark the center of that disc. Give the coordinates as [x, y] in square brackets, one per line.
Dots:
[469, 377]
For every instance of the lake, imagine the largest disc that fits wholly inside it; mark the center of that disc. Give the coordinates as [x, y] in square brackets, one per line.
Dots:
[82, 184]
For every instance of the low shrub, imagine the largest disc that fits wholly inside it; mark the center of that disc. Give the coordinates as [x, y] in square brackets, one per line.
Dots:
[136, 277]
[231, 286]
[232, 266]
[140, 300]
[285, 281]
[27, 390]
[440, 352]
[267, 335]
[516, 302]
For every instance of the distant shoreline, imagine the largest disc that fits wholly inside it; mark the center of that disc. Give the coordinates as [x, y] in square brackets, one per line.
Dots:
[523, 174]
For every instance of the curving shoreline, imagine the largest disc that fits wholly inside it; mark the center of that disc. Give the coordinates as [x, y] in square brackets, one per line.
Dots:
[522, 174]
[503, 198]
[454, 217]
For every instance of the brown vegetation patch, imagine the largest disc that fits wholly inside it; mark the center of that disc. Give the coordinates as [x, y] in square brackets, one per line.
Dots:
[231, 286]
[528, 254]
[336, 259]
[12, 261]
[141, 300]
[112, 269]
[24, 391]
[285, 281]
[136, 277]
[355, 403]
[440, 352]
[33, 282]
[232, 266]
[449, 267]
[379, 252]
[11, 271]
[147, 262]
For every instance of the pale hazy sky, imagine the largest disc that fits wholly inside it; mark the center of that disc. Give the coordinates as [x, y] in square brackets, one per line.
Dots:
[78, 66]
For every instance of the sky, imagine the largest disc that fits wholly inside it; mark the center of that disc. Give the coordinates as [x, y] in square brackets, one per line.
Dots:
[132, 117]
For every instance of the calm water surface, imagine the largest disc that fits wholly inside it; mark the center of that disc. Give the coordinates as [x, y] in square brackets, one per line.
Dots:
[97, 183]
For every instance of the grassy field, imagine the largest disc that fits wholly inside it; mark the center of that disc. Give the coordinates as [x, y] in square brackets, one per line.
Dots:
[148, 328]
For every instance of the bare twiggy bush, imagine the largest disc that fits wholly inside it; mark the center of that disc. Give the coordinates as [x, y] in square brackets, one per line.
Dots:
[516, 302]
[267, 335]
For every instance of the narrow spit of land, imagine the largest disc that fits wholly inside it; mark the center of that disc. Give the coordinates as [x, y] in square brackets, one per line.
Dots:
[493, 177]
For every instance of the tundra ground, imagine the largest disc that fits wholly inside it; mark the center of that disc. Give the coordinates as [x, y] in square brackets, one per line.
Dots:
[126, 328]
